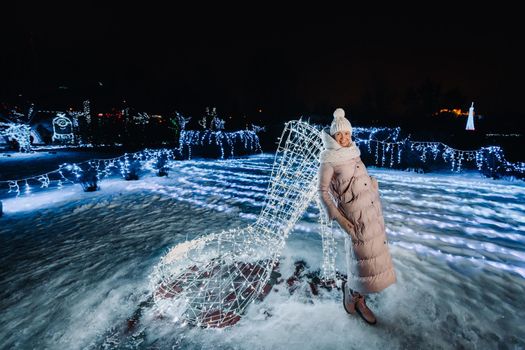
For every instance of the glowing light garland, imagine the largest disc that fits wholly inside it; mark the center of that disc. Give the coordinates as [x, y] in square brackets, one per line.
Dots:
[181, 120]
[142, 118]
[217, 123]
[389, 150]
[215, 135]
[125, 166]
[87, 111]
[191, 138]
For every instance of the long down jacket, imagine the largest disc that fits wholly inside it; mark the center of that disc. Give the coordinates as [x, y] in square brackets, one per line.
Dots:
[357, 202]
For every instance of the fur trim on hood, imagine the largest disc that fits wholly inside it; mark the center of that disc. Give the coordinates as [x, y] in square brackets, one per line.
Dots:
[334, 152]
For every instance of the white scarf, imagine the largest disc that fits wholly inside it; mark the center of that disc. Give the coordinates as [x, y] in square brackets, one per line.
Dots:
[334, 152]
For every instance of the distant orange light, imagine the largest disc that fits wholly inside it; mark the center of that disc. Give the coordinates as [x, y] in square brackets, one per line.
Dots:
[456, 111]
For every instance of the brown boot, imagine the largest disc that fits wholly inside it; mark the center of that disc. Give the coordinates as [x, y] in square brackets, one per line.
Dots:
[348, 301]
[363, 310]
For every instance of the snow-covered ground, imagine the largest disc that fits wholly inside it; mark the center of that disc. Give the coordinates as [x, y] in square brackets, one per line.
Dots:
[75, 265]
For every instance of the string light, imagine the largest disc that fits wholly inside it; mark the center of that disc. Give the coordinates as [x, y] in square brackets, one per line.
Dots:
[193, 138]
[102, 168]
[87, 112]
[487, 159]
[44, 180]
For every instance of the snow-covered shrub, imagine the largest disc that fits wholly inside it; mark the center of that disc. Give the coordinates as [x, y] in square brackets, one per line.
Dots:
[89, 180]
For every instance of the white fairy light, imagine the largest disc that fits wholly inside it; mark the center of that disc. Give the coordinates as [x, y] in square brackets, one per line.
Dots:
[44, 179]
[329, 251]
[13, 187]
[103, 168]
[383, 155]
[27, 188]
[191, 138]
[141, 118]
[87, 111]
[257, 128]
[217, 123]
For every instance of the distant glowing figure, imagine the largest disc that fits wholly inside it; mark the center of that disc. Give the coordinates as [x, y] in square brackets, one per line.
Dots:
[62, 129]
[470, 120]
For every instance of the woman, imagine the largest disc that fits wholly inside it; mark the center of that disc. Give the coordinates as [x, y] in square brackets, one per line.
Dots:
[357, 209]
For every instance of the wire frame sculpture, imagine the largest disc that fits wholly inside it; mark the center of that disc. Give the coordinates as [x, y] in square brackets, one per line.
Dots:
[209, 281]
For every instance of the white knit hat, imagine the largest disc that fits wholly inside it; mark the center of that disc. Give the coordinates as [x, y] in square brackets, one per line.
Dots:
[340, 123]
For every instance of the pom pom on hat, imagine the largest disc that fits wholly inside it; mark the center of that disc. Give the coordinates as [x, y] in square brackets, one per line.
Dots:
[339, 113]
[340, 123]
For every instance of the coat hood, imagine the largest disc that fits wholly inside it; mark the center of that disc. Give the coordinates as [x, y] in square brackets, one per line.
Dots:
[334, 152]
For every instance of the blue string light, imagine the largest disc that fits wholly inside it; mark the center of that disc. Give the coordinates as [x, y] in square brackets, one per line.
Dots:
[193, 138]
[491, 158]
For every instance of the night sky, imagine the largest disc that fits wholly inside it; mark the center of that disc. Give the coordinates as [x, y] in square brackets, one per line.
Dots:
[287, 63]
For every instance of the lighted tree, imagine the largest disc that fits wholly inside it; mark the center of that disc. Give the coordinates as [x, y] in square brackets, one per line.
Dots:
[19, 132]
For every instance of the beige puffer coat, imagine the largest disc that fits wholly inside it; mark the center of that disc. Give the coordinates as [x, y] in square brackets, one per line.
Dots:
[343, 176]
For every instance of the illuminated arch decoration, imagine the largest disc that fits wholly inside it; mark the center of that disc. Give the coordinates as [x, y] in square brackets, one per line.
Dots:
[37, 138]
[62, 129]
[211, 280]
[19, 132]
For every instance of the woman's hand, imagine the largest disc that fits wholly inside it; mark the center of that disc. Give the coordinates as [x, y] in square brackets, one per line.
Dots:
[349, 228]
